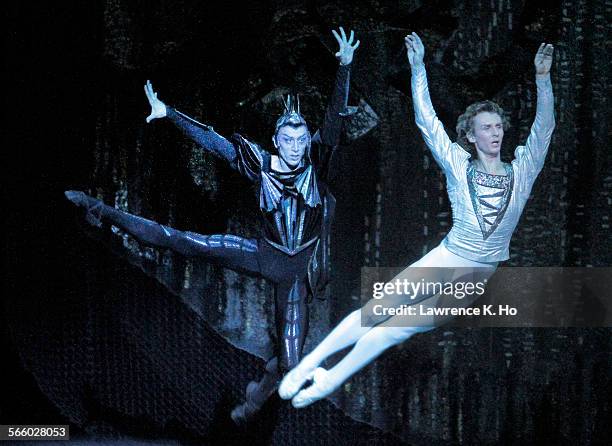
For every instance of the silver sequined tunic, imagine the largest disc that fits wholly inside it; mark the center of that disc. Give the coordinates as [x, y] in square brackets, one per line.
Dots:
[486, 208]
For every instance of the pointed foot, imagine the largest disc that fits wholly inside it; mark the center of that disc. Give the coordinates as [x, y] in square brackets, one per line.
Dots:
[321, 387]
[93, 206]
[295, 379]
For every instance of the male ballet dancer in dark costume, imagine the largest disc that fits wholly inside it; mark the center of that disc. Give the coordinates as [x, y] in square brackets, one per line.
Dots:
[297, 210]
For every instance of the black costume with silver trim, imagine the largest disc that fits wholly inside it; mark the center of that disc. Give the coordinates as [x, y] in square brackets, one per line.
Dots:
[297, 209]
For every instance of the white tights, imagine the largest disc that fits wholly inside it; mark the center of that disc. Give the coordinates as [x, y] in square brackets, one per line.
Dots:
[370, 342]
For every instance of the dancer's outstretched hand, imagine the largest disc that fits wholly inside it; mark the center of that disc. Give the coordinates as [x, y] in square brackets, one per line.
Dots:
[158, 108]
[415, 49]
[543, 59]
[345, 53]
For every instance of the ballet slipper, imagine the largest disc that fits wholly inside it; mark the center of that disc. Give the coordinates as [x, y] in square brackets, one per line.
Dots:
[256, 397]
[257, 393]
[295, 379]
[321, 387]
[93, 206]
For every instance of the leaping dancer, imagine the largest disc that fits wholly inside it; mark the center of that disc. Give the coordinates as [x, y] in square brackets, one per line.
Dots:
[487, 198]
[297, 210]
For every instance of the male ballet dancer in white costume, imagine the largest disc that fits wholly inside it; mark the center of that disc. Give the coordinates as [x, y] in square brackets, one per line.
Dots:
[487, 198]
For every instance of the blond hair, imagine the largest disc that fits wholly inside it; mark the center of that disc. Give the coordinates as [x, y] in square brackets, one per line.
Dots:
[465, 122]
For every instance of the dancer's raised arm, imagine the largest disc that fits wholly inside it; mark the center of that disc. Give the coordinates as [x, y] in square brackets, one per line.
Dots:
[530, 157]
[202, 134]
[327, 138]
[447, 154]
[337, 106]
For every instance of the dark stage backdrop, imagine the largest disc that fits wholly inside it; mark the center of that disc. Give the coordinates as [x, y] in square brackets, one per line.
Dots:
[124, 341]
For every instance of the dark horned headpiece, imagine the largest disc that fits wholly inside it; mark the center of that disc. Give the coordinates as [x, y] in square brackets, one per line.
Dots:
[292, 115]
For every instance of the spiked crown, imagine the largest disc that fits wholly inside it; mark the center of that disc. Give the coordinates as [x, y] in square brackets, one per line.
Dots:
[292, 115]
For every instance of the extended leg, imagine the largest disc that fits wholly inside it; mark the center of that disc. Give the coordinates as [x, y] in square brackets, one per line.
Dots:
[345, 334]
[226, 250]
[350, 329]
